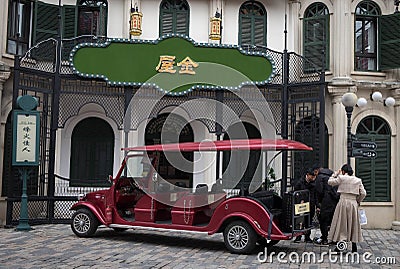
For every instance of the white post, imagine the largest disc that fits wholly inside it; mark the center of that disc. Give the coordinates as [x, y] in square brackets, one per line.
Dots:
[396, 192]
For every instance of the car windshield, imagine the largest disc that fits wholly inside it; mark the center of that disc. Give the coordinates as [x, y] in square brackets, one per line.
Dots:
[137, 166]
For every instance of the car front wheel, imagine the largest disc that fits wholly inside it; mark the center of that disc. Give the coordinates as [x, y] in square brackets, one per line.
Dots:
[84, 223]
[239, 237]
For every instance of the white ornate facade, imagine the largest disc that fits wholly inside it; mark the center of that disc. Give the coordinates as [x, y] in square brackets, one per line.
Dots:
[343, 73]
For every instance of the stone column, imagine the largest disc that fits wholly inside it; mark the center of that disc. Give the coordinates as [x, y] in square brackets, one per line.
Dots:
[294, 26]
[396, 222]
[126, 17]
[341, 45]
[339, 119]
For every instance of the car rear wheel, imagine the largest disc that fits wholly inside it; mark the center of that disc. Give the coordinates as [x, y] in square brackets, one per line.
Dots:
[239, 237]
[84, 223]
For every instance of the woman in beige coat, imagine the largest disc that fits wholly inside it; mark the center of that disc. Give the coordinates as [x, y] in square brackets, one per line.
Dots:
[345, 224]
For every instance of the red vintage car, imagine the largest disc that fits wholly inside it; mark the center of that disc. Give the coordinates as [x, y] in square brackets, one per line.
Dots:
[138, 198]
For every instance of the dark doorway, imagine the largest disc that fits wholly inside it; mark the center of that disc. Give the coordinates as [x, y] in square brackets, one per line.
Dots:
[175, 129]
[92, 153]
[240, 161]
[307, 131]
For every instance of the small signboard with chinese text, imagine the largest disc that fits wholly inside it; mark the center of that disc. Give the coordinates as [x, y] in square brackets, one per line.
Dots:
[301, 208]
[26, 138]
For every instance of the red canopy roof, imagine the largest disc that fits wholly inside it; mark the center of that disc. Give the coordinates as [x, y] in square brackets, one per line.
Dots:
[221, 145]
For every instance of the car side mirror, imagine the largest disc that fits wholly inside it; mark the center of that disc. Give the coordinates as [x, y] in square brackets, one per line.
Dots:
[110, 179]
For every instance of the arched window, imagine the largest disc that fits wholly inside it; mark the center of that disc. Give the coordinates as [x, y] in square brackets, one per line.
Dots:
[252, 24]
[316, 34]
[92, 153]
[92, 17]
[174, 17]
[375, 173]
[365, 36]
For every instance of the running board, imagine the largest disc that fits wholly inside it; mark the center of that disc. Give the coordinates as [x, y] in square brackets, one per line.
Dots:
[150, 228]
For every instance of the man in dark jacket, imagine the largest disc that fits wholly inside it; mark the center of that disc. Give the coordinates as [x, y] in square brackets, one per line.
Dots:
[328, 198]
[307, 183]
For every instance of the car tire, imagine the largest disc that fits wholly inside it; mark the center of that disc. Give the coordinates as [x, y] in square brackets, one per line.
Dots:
[240, 237]
[84, 223]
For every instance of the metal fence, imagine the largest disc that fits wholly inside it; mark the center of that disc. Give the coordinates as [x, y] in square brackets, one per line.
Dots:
[62, 94]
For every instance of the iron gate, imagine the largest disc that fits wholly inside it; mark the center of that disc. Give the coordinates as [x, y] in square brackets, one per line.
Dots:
[295, 96]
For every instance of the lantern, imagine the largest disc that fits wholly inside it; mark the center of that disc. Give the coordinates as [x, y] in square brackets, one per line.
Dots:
[215, 27]
[135, 22]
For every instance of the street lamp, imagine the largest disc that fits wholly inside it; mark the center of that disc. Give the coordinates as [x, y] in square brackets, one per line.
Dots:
[377, 97]
[349, 100]
[361, 102]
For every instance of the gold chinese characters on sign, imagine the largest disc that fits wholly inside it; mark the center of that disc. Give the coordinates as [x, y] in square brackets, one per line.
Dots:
[187, 66]
[166, 65]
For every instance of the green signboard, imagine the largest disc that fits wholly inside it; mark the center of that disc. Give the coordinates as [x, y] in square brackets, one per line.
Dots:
[26, 126]
[174, 64]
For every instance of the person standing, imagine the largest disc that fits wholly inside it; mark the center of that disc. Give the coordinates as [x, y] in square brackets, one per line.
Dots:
[328, 198]
[307, 183]
[345, 224]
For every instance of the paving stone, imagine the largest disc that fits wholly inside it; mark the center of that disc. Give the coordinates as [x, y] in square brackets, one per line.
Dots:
[55, 246]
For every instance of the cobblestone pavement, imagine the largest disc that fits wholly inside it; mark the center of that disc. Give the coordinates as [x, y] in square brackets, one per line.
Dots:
[55, 246]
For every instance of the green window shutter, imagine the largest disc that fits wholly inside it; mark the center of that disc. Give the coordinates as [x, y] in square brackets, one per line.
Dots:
[389, 26]
[103, 21]
[181, 25]
[245, 36]
[167, 22]
[69, 18]
[69, 21]
[252, 24]
[374, 173]
[363, 171]
[174, 17]
[45, 22]
[259, 31]
[316, 40]
[381, 171]
[312, 38]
